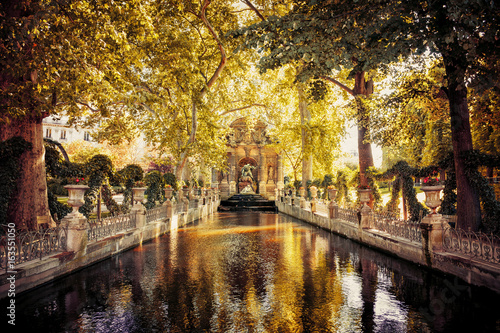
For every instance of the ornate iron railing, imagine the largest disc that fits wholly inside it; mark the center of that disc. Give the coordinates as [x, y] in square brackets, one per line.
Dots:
[156, 214]
[396, 227]
[31, 245]
[472, 244]
[348, 214]
[110, 226]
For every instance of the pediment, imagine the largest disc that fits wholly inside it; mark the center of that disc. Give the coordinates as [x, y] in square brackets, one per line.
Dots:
[245, 133]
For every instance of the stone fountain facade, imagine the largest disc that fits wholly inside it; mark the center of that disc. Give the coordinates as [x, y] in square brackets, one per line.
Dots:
[248, 145]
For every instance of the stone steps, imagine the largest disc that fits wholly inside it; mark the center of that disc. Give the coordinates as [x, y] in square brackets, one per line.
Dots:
[247, 202]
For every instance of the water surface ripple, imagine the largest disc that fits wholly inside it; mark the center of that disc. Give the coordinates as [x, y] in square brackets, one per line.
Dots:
[251, 272]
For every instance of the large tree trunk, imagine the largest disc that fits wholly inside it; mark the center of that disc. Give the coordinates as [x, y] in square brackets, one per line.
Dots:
[305, 118]
[361, 87]
[468, 205]
[29, 199]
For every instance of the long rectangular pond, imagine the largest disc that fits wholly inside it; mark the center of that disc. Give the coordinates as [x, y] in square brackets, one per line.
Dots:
[255, 272]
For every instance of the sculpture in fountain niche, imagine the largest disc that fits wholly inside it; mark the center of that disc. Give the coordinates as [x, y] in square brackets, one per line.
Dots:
[246, 173]
[246, 180]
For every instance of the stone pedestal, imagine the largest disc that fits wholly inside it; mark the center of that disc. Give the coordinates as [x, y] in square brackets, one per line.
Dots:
[77, 227]
[169, 208]
[140, 215]
[262, 189]
[432, 232]
[232, 188]
[366, 217]
[333, 209]
[314, 200]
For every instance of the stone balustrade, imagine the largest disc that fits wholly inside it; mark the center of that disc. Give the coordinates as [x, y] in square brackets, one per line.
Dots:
[474, 257]
[78, 242]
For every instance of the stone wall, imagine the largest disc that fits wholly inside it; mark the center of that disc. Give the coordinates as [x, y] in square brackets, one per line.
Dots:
[82, 253]
[428, 253]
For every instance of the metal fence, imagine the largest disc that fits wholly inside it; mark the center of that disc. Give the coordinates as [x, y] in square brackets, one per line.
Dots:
[348, 214]
[31, 245]
[110, 226]
[476, 245]
[156, 214]
[396, 227]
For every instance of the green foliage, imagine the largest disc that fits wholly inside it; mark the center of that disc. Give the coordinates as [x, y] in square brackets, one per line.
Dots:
[154, 192]
[10, 152]
[404, 181]
[448, 206]
[99, 170]
[57, 208]
[491, 207]
[170, 179]
[343, 181]
[377, 197]
[128, 176]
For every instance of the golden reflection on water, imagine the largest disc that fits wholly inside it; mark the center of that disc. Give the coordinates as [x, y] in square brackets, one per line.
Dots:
[253, 273]
[257, 275]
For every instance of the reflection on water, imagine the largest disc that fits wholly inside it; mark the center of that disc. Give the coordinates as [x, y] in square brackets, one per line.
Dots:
[255, 272]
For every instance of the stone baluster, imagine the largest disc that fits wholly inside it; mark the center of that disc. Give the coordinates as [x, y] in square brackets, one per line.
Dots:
[314, 200]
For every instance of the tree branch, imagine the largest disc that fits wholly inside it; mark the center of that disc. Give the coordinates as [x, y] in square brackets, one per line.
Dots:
[252, 7]
[242, 108]
[222, 51]
[349, 90]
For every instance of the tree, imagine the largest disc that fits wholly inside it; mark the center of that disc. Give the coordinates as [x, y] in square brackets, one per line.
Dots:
[461, 32]
[55, 56]
[301, 37]
[412, 117]
[332, 34]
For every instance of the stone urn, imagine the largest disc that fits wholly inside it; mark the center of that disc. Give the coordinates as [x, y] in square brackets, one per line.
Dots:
[168, 192]
[185, 192]
[332, 193]
[314, 192]
[302, 191]
[76, 197]
[364, 195]
[139, 194]
[432, 197]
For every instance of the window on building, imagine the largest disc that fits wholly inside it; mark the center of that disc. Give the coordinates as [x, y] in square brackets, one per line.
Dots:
[86, 136]
[63, 134]
[48, 133]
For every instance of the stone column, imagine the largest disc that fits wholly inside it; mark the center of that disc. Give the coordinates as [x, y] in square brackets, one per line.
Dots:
[233, 174]
[280, 182]
[140, 215]
[262, 174]
[214, 181]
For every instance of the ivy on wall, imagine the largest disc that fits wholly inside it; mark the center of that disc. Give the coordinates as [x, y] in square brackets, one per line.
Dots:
[402, 175]
[154, 192]
[99, 171]
[490, 206]
[129, 175]
[10, 152]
